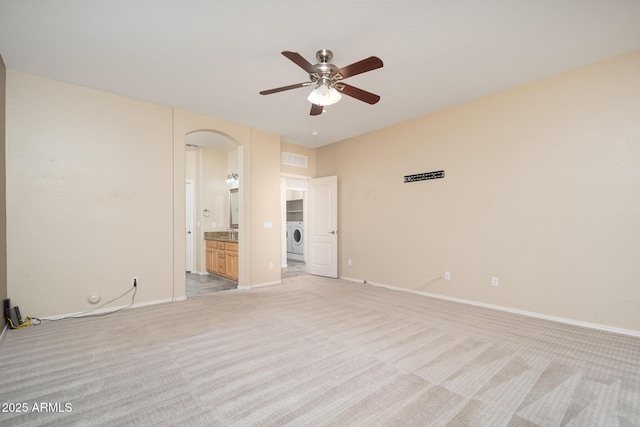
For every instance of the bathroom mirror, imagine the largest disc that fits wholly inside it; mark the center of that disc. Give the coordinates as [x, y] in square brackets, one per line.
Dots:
[234, 208]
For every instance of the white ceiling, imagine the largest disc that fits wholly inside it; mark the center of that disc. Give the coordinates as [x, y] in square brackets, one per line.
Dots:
[213, 57]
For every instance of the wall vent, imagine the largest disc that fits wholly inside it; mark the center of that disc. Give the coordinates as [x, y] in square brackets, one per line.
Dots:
[291, 159]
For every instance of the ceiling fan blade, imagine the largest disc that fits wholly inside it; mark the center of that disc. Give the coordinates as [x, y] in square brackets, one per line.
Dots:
[316, 110]
[283, 88]
[300, 61]
[368, 64]
[362, 95]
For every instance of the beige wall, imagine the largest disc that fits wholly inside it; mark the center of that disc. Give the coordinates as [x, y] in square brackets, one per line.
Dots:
[215, 191]
[89, 203]
[542, 190]
[191, 161]
[265, 185]
[3, 190]
[95, 196]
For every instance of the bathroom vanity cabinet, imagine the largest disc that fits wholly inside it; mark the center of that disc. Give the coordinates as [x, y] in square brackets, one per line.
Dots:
[222, 258]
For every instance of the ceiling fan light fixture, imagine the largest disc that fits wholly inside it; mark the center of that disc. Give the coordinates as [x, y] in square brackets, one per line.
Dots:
[324, 95]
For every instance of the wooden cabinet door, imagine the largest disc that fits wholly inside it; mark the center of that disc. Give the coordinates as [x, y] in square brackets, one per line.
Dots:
[232, 265]
[211, 261]
[220, 262]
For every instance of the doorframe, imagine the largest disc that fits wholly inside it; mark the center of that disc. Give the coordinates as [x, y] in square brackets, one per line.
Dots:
[286, 183]
[185, 123]
[190, 210]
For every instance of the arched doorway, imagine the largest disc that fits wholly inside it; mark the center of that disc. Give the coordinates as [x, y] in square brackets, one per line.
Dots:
[211, 157]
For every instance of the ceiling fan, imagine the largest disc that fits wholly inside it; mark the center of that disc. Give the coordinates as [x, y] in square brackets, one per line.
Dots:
[327, 79]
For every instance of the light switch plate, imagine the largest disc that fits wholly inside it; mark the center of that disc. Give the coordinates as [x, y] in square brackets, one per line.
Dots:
[268, 224]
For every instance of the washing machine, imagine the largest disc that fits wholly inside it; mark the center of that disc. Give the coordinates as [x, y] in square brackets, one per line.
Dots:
[297, 237]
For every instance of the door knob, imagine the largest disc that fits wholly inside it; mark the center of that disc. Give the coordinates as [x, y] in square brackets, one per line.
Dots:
[332, 232]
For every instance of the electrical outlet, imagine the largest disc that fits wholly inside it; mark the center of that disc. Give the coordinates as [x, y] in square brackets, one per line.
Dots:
[349, 261]
[447, 275]
[494, 281]
[134, 281]
[270, 265]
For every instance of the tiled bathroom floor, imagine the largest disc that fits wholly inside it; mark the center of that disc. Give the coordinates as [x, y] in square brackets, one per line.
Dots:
[294, 268]
[205, 284]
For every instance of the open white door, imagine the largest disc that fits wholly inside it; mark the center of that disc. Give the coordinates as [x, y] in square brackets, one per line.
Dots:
[322, 230]
[189, 226]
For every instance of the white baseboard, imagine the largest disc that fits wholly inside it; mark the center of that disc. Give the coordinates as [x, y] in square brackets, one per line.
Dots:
[110, 309]
[351, 279]
[573, 322]
[261, 285]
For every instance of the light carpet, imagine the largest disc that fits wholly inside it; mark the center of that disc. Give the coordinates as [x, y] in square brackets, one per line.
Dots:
[315, 352]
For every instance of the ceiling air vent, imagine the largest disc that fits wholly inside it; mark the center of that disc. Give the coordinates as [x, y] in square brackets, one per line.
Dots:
[291, 159]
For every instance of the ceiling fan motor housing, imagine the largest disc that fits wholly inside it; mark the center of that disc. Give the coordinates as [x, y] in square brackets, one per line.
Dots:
[327, 72]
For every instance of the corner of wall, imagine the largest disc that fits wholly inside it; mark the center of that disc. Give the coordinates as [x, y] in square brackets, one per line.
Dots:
[3, 183]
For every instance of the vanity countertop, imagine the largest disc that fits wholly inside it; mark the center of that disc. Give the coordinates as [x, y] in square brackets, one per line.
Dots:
[221, 236]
